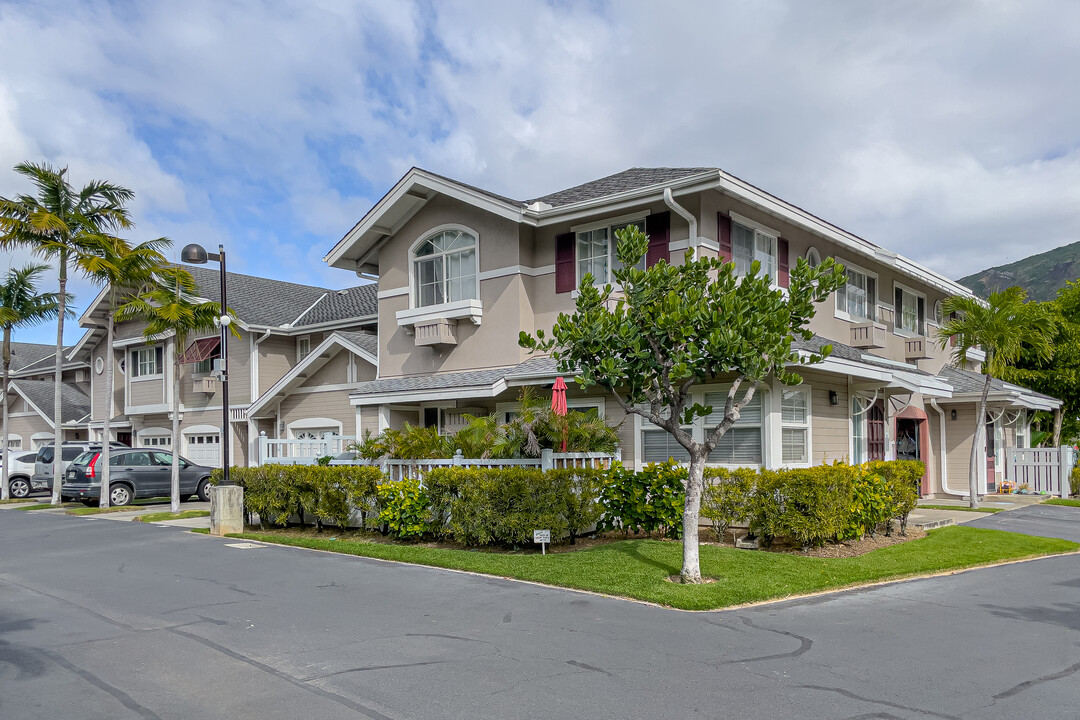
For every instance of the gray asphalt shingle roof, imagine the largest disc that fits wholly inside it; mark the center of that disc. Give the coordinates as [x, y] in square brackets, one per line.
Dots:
[624, 181]
[74, 403]
[444, 381]
[263, 301]
[30, 356]
[969, 381]
[366, 341]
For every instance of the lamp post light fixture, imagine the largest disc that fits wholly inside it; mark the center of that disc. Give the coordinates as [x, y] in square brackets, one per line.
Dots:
[197, 255]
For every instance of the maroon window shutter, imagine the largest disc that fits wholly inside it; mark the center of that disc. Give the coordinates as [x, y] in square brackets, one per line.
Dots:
[658, 228]
[782, 266]
[723, 236]
[565, 276]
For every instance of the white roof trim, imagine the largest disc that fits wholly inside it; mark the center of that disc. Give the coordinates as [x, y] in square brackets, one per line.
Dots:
[316, 354]
[407, 396]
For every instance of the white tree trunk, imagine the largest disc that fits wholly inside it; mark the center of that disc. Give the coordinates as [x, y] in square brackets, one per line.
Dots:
[4, 489]
[58, 410]
[691, 568]
[106, 434]
[174, 491]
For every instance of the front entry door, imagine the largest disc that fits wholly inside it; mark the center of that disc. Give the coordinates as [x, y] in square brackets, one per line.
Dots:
[875, 431]
[991, 456]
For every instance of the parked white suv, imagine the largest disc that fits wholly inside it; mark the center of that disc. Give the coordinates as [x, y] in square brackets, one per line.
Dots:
[43, 463]
[19, 472]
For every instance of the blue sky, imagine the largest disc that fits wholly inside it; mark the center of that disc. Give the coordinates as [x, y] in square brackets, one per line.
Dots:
[945, 131]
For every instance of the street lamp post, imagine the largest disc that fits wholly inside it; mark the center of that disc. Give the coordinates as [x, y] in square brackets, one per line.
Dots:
[197, 255]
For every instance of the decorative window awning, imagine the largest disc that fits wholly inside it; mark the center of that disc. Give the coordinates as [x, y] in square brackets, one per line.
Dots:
[200, 350]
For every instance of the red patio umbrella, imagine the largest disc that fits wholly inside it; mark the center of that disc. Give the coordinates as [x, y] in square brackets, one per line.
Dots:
[558, 402]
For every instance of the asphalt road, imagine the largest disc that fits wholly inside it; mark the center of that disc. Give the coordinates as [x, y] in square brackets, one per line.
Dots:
[116, 620]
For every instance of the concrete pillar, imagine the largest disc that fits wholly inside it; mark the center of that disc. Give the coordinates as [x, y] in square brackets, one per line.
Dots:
[226, 510]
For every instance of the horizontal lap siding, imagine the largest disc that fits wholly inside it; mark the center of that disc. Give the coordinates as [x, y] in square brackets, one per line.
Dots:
[958, 444]
[830, 427]
[25, 427]
[369, 419]
[333, 405]
[146, 392]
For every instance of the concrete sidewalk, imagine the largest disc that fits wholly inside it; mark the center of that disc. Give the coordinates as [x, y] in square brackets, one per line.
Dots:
[928, 519]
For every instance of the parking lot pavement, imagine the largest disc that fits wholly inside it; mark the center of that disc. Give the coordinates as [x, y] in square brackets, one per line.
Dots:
[125, 620]
[1043, 520]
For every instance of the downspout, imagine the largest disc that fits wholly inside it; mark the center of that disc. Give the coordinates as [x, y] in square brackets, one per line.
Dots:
[669, 200]
[942, 455]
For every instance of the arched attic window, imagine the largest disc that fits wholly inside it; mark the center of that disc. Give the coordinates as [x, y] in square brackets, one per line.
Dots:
[444, 268]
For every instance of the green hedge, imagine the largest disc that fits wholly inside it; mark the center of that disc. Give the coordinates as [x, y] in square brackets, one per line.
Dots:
[1074, 481]
[325, 494]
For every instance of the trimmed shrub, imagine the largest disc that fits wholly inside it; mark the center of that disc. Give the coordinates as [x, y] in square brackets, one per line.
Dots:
[725, 499]
[649, 500]
[504, 506]
[580, 489]
[903, 479]
[326, 494]
[871, 504]
[1074, 481]
[807, 505]
[403, 508]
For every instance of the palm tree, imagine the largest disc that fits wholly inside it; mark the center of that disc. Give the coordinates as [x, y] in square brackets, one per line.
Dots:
[1001, 325]
[125, 271]
[172, 306]
[57, 223]
[21, 305]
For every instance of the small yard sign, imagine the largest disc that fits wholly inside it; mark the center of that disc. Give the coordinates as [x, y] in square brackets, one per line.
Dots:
[543, 537]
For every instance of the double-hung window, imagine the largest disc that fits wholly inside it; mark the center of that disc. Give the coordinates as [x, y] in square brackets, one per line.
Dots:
[146, 362]
[303, 347]
[596, 251]
[749, 244]
[795, 422]
[858, 296]
[910, 312]
[658, 445]
[444, 269]
[741, 444]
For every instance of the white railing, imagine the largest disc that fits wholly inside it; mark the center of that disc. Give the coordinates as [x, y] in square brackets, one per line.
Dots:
[1043, 470]
[238, 414]
[549, 460]
[301, 452]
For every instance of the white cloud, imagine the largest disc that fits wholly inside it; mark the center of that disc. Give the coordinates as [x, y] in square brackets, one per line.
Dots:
[944, 131]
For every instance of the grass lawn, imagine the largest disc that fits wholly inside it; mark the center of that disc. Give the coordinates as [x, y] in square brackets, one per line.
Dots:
[44, 506]
[1071, 502]
[183, 515]
[961, 508]
[95, 510]
[12, 501]
[639, 568]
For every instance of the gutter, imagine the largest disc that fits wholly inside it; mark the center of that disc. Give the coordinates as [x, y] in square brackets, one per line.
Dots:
[941, 453]
[686, 215]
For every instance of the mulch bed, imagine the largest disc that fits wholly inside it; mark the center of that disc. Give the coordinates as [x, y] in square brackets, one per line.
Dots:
[848, 548]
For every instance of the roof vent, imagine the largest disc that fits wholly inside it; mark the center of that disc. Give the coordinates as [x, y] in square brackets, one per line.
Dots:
[342, 292]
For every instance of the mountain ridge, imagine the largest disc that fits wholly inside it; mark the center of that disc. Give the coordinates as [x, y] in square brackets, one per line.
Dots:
[1041, 275]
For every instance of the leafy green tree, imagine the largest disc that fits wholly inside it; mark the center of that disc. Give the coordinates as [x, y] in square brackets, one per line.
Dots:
[1058, 375]
[674, 326]
[21, 305]
[1002, 326]
[58, 223]
[171, 306]
[125, 271]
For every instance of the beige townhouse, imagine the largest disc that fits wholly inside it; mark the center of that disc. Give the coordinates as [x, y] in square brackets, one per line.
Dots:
[461, 271]
[31, 393]
[299, 351]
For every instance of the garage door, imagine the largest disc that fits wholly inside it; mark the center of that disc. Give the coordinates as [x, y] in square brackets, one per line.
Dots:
[204, 449]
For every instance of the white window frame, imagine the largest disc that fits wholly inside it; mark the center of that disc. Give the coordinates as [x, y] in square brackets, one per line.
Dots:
[872, 308]
[759, 230]
[813, 257]
[805, 426]
[414, 281]
[939, 315]
[610, 225]
[898, 312]
[698, 429]
[303, 348]
[136, 359]
[14, 443]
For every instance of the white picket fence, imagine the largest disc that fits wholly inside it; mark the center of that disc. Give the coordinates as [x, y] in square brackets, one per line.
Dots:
[301, 452]
[1043, 470]
[549, 460]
